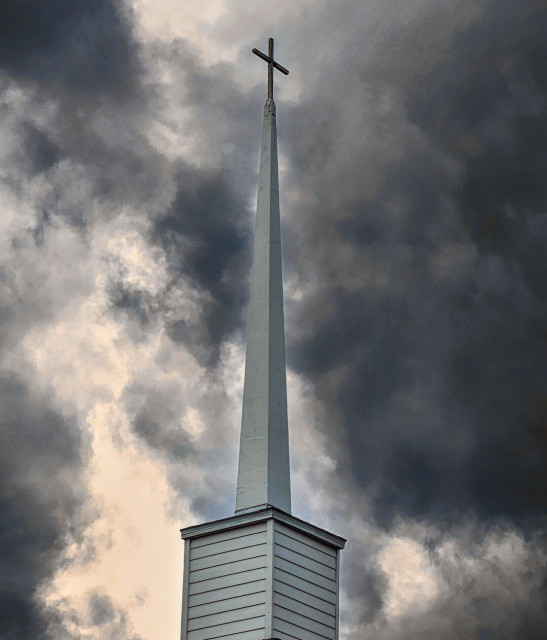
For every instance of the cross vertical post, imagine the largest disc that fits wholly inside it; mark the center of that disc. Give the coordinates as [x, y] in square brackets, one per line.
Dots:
[270, 67]
[272, 64]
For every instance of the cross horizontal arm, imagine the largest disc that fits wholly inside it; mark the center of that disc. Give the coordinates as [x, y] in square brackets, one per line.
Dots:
[268, 60]
[280, 68]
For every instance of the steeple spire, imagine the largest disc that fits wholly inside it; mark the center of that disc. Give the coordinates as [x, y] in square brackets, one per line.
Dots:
[264, 473]
[262, 573]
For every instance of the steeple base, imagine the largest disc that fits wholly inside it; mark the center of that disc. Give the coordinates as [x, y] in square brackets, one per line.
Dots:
[264, 574]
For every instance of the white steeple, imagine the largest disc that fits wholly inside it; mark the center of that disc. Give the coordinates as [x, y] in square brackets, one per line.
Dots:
[264, 473]
[262, 573]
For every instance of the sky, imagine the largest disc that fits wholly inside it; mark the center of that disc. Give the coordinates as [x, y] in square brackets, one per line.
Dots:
[412, 138]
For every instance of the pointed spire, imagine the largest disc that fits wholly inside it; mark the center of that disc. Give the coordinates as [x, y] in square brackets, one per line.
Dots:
[264, 473]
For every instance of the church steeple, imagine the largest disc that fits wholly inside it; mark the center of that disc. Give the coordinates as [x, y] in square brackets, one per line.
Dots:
[264, 473]
[262, 574]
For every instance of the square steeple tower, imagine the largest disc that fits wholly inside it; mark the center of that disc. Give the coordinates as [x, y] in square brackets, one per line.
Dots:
[264, 574]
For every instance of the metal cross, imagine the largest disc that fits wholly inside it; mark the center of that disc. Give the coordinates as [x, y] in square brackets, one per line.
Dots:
[271, 65]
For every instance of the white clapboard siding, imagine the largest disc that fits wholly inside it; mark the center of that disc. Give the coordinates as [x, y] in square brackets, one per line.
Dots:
[286, 630]
[227, 557]
[303, 585]
[232, 630]
[305, 596]
[305, 562]
[281, 529]
[260, 575]
[226, 593]
[227, 585]
[305, 610]
[237, 579]
[306, 549]
[224, 617]
[305, 574]
[230, 534]
[229, 604]
[231, 544]
[231, 568]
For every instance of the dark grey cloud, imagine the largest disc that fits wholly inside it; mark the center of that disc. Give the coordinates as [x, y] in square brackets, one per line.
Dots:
[205, 236]
[62, 65]
[206, 228]
[71, 45]
[490, 595]
[101, 615]
[157, 422]
[419, 241]
[440, 359]
[41, 510]
[414, 223]
[40, 150]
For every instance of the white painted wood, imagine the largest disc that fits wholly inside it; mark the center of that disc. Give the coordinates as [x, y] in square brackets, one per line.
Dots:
[228, 569]
[228, 604]
[307, 537]
[231, 544]
[305, 574]
[231, 629]
[303, 585]
[305, 589]
[254, 551]
[301, 609]
[305, 562]
[308, 549]
[280, 578]
[337, 619]
[220, 582]
[261, 515]
[185, 585]
[257, 634]
[224, 617]
[263, 472]
[284, 629]
[304, 598]
[268, 614]
[303, 622]
[206, 597]
[228, 534]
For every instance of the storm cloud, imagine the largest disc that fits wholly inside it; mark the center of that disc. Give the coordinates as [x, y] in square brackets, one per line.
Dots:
[41, 509]
[413, 198]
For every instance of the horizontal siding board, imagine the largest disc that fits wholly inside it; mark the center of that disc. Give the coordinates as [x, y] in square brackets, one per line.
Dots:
[227, 569]
[227, 557]
[229, 534]
[305, 597]
[326, 631]
[229, 629]
[219, 582]
[257, 634]
[282, 629]
[301, 572]
[206, 597]
[231, 544]
[305, 604]
[305, 549]
[298, 582]
[297, 535]
[226, 617]
[229, 604]
[302, 561]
